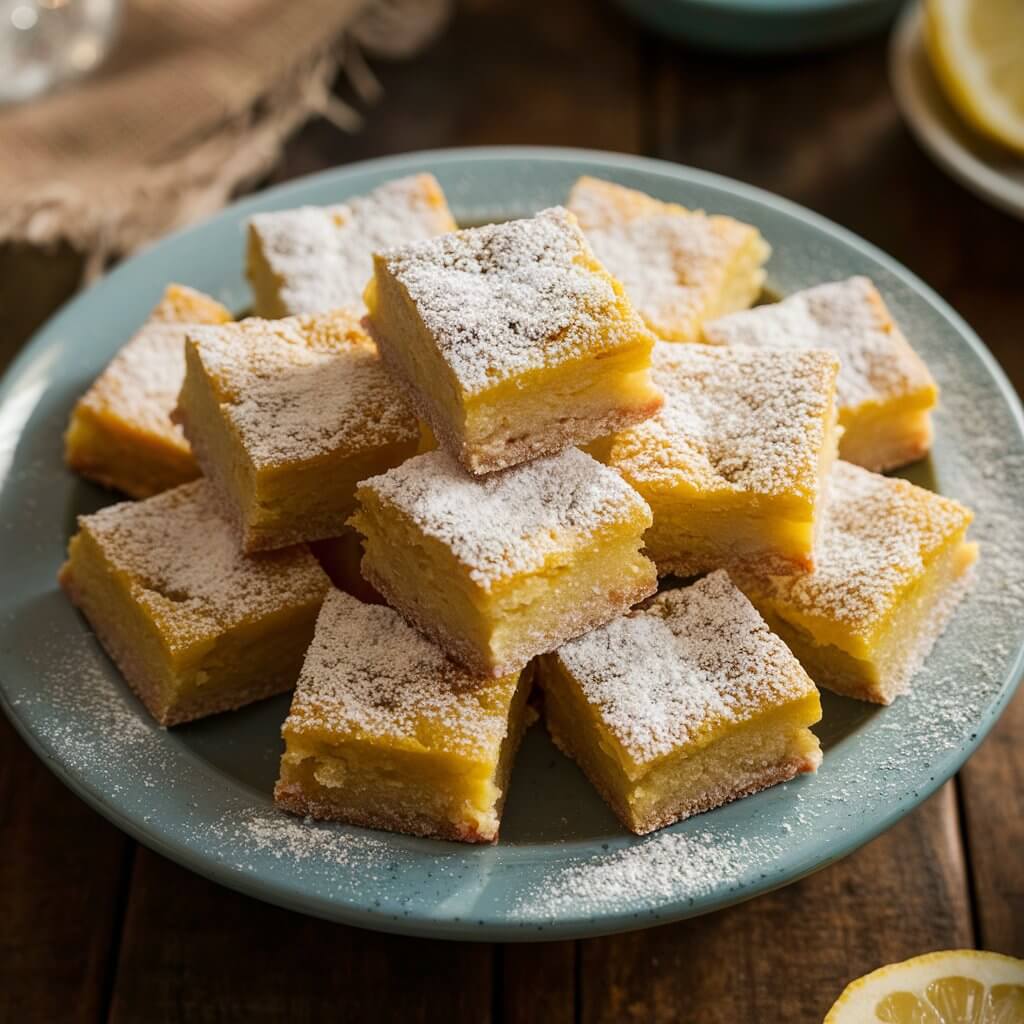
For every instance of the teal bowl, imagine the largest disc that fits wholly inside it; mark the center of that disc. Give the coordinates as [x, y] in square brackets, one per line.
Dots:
[763, 26]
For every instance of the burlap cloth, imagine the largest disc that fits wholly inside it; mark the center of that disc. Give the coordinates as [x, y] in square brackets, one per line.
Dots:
[193, 104]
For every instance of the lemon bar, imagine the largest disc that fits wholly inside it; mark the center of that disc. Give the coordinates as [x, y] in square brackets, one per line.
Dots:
[682, 705]
[679, 267]
[120, 433]
[511, 340]
[734, 465]
[286, 416]
[318, 258]
[892, 563]
[195, 626]
[500, 568]
[385, 731]
[885, 391]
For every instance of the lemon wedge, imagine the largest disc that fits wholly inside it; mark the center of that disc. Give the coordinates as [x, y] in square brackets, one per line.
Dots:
[977, 50]
[960, 986]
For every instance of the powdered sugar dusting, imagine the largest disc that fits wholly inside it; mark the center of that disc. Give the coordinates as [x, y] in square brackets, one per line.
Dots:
[734, 420]
[370, 676]
[666, 867]
[509, 522]
[282, 836]
[504, 299]
[92, 722]
[876, 535]
[187, 570]
[141, 383]
[322, 255]
[848, 318]
[688, 661]
[674, 263]
[302, 387]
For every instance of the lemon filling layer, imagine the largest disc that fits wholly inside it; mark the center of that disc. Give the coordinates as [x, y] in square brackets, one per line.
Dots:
[511, 340]
[524, 612]
[386, 731]
[681, 705]
[195, 626]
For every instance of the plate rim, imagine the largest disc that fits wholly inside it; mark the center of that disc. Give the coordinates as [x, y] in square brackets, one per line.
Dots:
[177, 849]
[956, 159]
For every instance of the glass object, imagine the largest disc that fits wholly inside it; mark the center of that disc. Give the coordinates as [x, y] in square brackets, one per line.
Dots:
[44, 43]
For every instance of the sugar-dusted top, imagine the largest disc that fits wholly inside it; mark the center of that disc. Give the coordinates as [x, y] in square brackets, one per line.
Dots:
[140, 385]
[183, 305]
[847, 317]
[304, 386]
[734, 419]
[673, 262]
[322, 255]
[511, 521]
[877, 535]
[186, 568]
[505, 299]
[670, 673]
[370, 676]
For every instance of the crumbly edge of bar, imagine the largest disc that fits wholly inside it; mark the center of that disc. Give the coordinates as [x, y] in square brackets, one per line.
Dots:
[293, 798]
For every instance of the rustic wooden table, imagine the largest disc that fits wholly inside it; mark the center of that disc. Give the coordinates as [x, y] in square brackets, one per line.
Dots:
[93, 926]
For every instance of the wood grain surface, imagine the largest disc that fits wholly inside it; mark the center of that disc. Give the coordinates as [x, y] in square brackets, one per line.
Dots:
[94, 928]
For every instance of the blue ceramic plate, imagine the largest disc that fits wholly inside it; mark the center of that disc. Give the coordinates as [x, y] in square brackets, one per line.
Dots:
[200, 794]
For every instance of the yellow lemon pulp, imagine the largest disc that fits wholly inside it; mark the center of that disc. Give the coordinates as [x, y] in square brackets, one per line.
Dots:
[977, 50]
[952, 987]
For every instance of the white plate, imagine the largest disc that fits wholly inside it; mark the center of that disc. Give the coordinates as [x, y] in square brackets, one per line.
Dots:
[992, 173]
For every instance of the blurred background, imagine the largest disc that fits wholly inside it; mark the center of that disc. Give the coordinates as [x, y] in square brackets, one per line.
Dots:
[122, 121]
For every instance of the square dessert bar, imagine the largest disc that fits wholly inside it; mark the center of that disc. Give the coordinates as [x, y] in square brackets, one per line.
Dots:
[511, 339]
[500, 568]
[195, 626]
[679, 267]
[120, 433]
[286, 416]
[892, 563]
[885, 391]
[734, 465]
[682, 705]
[317, 258]
[385, 731]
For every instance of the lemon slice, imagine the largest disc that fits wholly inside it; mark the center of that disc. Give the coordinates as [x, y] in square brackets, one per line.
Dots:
[977, 50]
[961, 986]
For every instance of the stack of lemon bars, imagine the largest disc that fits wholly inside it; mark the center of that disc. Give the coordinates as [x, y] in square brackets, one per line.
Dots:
[445, 481]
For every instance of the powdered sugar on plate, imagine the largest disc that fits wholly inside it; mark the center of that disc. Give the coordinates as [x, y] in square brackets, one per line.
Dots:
[668, 866]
